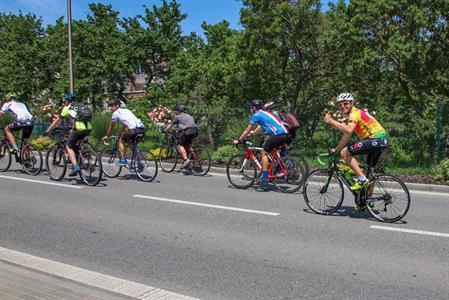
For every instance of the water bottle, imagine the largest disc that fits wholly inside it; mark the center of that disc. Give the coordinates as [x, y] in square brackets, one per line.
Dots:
[347, 172]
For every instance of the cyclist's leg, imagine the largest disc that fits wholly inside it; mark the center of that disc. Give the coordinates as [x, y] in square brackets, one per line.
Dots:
[74, 137]
[273, 142]
[182, 140]
[351, 161]
[9, 133]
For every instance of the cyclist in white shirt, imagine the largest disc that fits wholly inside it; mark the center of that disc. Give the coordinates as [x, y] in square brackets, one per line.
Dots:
[23, 120]
[130, 129]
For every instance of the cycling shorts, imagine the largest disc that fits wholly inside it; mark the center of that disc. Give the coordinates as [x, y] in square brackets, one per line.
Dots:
[25, 126]
[275, 141]
[75, 136]
[186, 136]
[133, 135]
[372, 147]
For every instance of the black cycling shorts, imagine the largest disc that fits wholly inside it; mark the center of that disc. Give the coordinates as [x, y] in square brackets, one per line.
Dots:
[75, 136]
[275, 141]
[186, 136]
[25, 126]
[133, 135]
[372, 147]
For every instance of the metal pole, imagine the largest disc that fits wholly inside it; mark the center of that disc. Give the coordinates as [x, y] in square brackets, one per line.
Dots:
[69, 21]
[438, 132]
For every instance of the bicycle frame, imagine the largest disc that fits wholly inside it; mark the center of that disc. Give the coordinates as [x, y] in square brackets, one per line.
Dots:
[273, 157]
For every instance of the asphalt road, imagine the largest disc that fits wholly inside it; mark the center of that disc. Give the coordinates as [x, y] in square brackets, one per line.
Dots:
[244, 245]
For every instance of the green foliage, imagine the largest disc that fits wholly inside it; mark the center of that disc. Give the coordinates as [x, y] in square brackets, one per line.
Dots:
[224, 153]
[441, 171]
[42, 142]
[100, 124]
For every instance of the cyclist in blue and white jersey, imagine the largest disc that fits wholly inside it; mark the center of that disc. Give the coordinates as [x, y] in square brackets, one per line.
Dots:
[270, 124]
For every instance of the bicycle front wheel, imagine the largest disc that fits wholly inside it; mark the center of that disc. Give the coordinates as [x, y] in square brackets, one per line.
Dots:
[56, 163]
[388, 199]
[201, 159]
[110, 160]
[241, 172]
[323, 192]
[146, 166]
[293, 179]
[168, 158]
[5, 158]
[31, 160]
[91, 167]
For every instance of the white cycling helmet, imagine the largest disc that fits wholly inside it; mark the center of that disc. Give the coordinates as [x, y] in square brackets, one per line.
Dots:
[344, 97]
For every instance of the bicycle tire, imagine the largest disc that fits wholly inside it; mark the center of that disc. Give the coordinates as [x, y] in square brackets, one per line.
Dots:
[314, 187]
[147, 166]
[110, 165]
[91, 167]
[5, 158]
[168, 158]
[198, 157]
[293, 181]
[32, 162]
[384, 201]
[56, 160]
[234, 174]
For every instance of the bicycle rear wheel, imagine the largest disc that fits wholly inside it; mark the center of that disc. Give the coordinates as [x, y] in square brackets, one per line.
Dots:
[56, 163]
[200, 159]
[293, 180]
[241, 172]
[146, 166]
[388, 198]
[168, 158]
[5, 158]
[31, 160]
[323, 193]
[110, 160]
[91, 167]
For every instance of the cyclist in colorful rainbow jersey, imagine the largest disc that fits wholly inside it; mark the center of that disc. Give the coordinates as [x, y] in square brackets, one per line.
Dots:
[373, 137]
[23, 120]
[79, 129]
[273, 126]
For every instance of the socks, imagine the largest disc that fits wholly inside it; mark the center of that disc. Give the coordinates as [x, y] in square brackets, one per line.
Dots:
[265, 175]
[362, 178]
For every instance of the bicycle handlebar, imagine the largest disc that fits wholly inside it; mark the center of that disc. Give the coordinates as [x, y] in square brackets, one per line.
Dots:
[111, 137]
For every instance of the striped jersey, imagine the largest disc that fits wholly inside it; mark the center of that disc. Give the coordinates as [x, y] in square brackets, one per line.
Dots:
[269, 122]
[366, 126]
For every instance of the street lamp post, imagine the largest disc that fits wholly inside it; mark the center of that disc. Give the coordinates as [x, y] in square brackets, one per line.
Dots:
[69, 21]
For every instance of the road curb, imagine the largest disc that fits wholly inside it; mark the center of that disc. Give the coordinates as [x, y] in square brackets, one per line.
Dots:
[420, 187]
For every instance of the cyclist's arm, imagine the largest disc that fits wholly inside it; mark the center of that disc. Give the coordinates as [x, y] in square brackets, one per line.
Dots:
[1, 113]
[108, 133]
[257, 131]
[345, 129]
[169, 126]
[54, 124]
[343, 142]
[246, 132]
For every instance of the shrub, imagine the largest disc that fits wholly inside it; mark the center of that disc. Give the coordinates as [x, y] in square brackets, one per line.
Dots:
[224, 153]
[100, 123]
[441, 171]
[42, 142]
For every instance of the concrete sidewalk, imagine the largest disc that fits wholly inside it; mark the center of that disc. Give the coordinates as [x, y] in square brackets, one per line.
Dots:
[19, 283]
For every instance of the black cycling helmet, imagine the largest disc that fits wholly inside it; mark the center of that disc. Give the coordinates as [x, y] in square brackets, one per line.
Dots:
[70, 96]
[256, 103]
[114, 102]
[180, 107]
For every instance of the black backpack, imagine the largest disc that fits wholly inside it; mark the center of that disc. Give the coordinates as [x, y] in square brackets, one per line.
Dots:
[83, 113]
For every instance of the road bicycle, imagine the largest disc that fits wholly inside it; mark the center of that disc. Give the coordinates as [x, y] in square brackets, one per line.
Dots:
[169, 156]
[141, 162]
[89, 160]
[385, 196]
[244, 168]
[29, 157]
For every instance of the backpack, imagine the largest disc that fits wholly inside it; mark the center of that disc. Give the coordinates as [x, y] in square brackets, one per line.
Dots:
[83, 113]
[290, 120]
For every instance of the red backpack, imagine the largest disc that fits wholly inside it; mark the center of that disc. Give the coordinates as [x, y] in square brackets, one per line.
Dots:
[290, 120]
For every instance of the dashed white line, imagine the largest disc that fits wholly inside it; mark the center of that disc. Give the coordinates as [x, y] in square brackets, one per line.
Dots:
[260, 212]
[440, 234]
[113, 284]
[42, 182]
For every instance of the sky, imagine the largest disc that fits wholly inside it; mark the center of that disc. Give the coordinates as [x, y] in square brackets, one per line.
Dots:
[211, 11]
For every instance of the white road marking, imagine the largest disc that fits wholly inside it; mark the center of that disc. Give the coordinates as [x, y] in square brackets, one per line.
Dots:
[113, 284]
[428, 193]
[42, 182]
[411, 231]
[208, 205]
